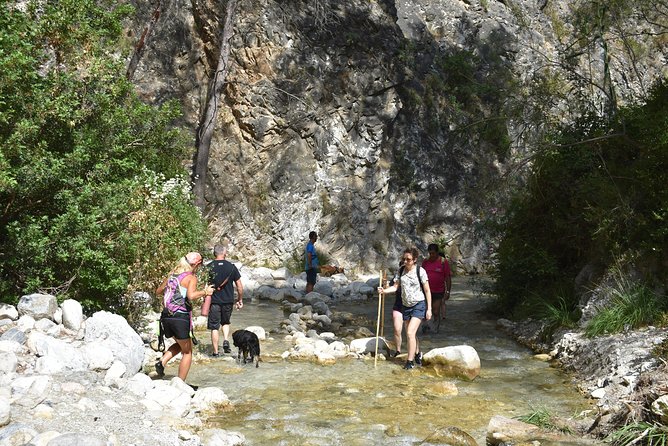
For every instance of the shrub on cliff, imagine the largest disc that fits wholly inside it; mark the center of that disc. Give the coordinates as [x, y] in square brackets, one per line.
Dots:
[93, 200]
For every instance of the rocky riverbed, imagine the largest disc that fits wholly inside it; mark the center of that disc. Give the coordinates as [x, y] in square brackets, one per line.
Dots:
[66, 379]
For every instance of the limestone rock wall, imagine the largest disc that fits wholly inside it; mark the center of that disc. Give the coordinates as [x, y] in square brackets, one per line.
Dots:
[319, 129]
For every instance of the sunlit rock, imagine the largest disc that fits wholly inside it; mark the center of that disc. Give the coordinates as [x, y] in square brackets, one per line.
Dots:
[452, 436]
[368, 345]
[461, 360]
[8, 312]
[115, 333]
[259, 331]
[72, 314]
[443, 388]
[38, 306]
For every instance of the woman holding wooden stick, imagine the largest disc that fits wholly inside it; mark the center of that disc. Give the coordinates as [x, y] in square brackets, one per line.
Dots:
[416, 301]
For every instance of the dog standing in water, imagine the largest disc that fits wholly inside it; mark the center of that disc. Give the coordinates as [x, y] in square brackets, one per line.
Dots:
[248, 344]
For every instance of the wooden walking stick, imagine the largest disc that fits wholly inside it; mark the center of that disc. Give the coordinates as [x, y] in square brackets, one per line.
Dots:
[382, 305]
[380, 310]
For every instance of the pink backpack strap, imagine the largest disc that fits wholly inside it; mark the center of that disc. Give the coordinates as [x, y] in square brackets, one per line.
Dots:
[183, 274]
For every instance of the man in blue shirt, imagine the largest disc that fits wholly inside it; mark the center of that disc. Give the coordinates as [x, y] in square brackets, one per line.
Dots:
[311, 264]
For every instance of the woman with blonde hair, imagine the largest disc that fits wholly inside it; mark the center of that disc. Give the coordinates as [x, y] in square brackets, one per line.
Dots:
[179, 289]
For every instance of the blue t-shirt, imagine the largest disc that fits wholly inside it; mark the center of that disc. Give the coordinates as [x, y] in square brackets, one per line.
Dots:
[310, 248]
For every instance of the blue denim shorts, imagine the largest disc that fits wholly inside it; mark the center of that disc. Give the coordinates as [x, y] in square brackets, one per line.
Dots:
[419, 310]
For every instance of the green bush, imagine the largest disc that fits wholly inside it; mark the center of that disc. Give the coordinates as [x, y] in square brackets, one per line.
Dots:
[633, 305]
[594, 195]
[94, 201]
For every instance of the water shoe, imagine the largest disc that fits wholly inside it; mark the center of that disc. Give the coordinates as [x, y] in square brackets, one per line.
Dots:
[160, 369]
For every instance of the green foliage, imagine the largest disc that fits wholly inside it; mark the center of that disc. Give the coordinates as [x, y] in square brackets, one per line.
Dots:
[561, 314]
[595, 196]
[633, 305]
[542, 418]
[93, 208]
[649, 434]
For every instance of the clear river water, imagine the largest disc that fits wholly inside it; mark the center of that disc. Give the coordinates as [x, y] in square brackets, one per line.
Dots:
[352, 402]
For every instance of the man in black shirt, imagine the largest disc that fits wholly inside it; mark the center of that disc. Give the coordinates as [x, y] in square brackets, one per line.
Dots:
[223, 275]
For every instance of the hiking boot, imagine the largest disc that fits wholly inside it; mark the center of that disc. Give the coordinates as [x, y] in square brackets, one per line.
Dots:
[409, 365]
[215, 354]
[160, 369]
[418, 359]
[226, 347]
[395, 353]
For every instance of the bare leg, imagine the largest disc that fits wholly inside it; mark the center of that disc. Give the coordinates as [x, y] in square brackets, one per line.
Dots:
[186, 357]
[309, 287]
[214, 341]
[411, 334]
[443, 309]
[436, 318]
[172, 351]
[226, 332]
[398, 321]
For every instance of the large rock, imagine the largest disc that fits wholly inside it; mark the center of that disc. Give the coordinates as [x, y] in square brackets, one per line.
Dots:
[502, 431]
[113, 332]
[38, 306]
[451, 436]
[8, 362]
[16, 434]
[368, 345]
[461, 360]
[8, 312]
[55, 355]
[72, 314]
[5, 412]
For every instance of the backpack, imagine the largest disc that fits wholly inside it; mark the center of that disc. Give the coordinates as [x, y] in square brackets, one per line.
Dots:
[173, 299]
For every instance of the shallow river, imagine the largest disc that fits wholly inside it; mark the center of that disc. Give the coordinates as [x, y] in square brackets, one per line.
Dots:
[353, 403]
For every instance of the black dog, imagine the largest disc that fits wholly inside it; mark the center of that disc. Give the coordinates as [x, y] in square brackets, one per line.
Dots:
[248, 344]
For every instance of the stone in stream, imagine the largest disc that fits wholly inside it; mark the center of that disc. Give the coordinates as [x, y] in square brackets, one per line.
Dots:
[452, 436]
[460, 360]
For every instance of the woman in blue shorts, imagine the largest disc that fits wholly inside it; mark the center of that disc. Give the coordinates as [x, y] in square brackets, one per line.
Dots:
[415, 300]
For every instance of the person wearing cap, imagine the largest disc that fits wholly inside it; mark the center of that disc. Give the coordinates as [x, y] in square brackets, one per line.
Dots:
[176, 322]
[224, 276]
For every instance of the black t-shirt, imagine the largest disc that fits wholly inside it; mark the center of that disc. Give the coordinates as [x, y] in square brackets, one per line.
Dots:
[219, 270]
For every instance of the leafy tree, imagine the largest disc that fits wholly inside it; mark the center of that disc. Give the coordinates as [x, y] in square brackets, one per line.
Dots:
[92, 204]
[595, 197]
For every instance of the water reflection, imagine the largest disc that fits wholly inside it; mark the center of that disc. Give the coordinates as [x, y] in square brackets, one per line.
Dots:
[351, 402]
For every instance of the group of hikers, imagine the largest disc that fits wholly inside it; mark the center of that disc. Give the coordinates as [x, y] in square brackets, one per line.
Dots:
[421, 292]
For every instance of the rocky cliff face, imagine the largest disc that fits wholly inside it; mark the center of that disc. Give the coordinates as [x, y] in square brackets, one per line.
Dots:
[376, 123]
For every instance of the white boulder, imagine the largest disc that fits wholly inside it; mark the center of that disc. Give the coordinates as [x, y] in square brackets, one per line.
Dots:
[461, 360]
[72, 314]
[113, 331]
